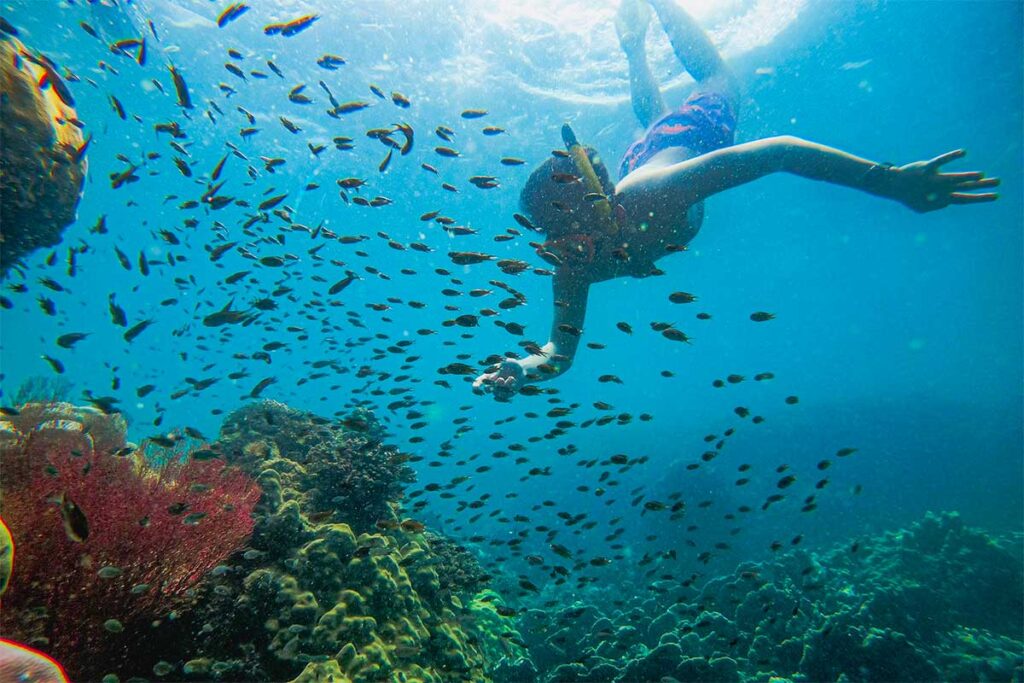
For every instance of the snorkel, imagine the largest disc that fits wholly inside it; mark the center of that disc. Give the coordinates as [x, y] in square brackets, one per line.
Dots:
[590, 180]
[577, 247]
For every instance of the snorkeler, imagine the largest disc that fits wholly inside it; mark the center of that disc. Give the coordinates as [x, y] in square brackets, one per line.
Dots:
[598, 231]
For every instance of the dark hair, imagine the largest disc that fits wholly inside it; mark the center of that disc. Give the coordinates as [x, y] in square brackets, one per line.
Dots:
[541, 190]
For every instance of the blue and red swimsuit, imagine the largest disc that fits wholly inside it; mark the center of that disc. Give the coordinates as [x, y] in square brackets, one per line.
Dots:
[703, 123]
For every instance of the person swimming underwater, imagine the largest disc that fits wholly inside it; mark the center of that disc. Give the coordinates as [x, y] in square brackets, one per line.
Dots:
[686, 155]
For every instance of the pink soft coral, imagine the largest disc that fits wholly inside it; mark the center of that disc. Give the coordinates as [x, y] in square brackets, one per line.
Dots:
[159, 529]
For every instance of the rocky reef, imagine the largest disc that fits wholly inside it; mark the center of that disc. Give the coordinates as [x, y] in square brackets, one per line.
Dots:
[42, 158]
[334, 584]
[937, 601]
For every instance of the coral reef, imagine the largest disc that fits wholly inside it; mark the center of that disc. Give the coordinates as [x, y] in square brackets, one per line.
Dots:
[106, 542]
[937, 601]
[458, 569]
[332, 587]
[42, 165]
[341, 467]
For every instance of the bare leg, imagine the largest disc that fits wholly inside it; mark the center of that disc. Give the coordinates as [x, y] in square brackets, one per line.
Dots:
[631, 25]
[695, 51]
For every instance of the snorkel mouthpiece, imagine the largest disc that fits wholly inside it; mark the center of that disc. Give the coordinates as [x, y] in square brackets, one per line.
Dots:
[590, 180]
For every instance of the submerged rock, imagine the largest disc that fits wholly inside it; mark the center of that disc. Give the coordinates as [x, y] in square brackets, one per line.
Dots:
[42, 167]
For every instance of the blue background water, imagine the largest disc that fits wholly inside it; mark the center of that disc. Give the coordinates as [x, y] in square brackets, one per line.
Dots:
[900, 333]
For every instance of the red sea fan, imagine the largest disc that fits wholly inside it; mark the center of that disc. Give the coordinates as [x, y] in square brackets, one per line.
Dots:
[152, 532]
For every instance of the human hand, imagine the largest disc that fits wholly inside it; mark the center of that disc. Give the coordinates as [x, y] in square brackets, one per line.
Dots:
[922, 187]
[503, 383]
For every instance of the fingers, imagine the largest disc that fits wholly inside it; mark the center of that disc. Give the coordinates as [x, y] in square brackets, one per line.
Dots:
[961, 198]
[963, 177]
[978, 184]
[943, 159]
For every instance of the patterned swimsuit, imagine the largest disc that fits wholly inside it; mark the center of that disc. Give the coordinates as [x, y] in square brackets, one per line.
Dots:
[705, 122]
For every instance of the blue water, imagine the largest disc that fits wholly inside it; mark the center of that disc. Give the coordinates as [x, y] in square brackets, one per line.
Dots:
[900, 333]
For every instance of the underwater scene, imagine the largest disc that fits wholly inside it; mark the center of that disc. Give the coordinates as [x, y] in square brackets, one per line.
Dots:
[518, 341]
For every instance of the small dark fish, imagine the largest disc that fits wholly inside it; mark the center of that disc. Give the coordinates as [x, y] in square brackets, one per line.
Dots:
[177, 508]
[204, 454]
[295, 95]
[225, 316]
[230, 13]
[291, 28]
[467, 258]
[681, 298]
[330, 62]
[67, 341]
[268, 204]
[219, 250]
[525, 222]
[263, 384]
[50, 77]
[675, 335]
[76, 524]
[412, 526]
[193, 518]
[126, 176]
[566, 178]
[474, 113]
[761, 316]
[218, 168]
[183, 167]
[512, 161]
[181, 88]
[341, 284]
[79, 152]
[387, 160]
[118, 108]
[117, 315]
[349, 107]
[136, 330]
[446, 152]
[57, 366]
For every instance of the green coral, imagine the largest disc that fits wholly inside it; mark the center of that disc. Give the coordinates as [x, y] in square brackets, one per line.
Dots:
[322, 594]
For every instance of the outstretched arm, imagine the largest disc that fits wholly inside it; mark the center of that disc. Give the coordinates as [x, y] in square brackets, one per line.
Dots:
[920, 186]
[556, 357]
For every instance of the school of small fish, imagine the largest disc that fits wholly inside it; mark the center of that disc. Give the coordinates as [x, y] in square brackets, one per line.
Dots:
[242, 216]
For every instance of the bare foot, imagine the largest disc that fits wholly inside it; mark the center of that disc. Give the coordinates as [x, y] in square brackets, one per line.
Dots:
[631, 24]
